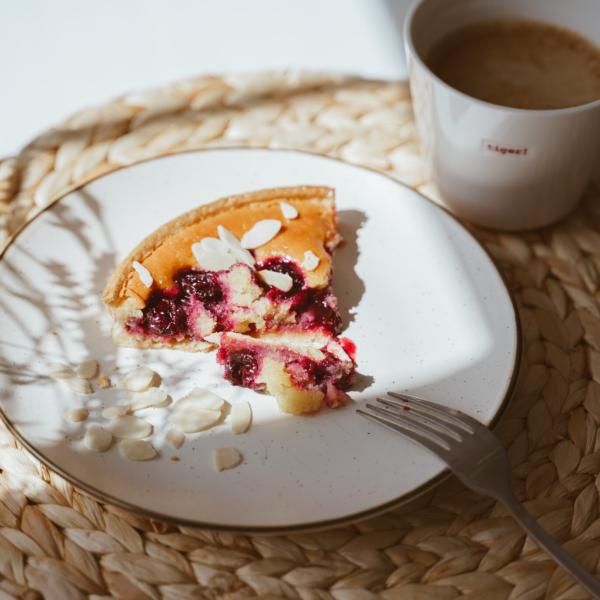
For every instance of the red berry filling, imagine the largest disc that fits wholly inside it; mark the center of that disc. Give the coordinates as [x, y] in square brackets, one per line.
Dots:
[164, 317]
[314, 308]
[349, 347]
[241, 366]
[242, 361]
[284, 265]
[202, 285]
[170, 313]
[197, 297]
[317, 309]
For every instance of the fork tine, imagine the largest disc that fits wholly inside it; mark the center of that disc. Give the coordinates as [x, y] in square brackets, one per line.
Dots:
[424, 425]
[449, 415]
[409, 433]
[430, 409]
[422, 434]
[422, 418]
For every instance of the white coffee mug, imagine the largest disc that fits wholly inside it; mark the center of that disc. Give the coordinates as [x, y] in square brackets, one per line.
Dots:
[500, 167]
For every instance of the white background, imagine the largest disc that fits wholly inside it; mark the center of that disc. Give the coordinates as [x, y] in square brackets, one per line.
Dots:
[59, 56]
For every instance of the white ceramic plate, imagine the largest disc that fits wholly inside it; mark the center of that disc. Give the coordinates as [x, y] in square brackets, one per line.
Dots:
[421, 299]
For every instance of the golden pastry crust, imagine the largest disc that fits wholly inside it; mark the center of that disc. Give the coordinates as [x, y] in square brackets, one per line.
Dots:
[168, 249]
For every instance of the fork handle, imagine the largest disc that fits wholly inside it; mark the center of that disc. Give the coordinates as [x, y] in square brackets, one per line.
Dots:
[590, 582]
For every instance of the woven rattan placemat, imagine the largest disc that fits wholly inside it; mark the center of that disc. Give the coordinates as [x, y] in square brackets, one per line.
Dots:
[62, 545]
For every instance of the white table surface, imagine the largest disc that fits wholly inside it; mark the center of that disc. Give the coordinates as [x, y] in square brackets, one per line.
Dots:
[60, 56]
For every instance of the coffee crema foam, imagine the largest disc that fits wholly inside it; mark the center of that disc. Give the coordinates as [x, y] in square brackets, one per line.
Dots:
[520, 64]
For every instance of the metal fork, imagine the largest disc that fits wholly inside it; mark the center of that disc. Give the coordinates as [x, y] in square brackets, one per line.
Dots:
[476, 456]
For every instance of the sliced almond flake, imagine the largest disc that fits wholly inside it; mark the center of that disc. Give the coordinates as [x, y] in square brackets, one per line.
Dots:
[144, 275]
[139, 379]
[60, 371]
[194, 413]
[289, 211]
[151, 398]
[311, 261]
[213, 338]
[215, 245]
[79, 386]
[97, 438]
[130, 427]
[261, 233]
[225, 458]
[103, 382]
[240, 417]
[281, 281]
[235, 247]
[116, 411]
[213, 255]
[175, 437]
[204, 399]
[87, 369]
[193, 420]
[77, 415]
[136, 450]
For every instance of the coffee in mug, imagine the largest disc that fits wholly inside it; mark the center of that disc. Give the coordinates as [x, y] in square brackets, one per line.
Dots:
[519, 63]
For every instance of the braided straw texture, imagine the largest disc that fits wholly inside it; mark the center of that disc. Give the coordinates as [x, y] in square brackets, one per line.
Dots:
[59, 544]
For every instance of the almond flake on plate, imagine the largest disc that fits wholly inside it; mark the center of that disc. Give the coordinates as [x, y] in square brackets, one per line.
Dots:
[311, 261]
[139, 379]
[77, 415]
[150, 398]
[175, 437]
[197, 411]
[213, 254]
[97, 438]
[130, 427]
[204, 399]
[226, 458]
[261, 233]
[60, 371]
[289, 212]
[240, 417]
[235, 247]
[136, 450]
[88, 369]
[113, 412]
[145, 275]
[80, 386]
[193, 419]
[281, 281]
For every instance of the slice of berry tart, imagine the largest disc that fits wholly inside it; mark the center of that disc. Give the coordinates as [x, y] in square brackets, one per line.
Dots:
[257, 265]
[301, 369]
